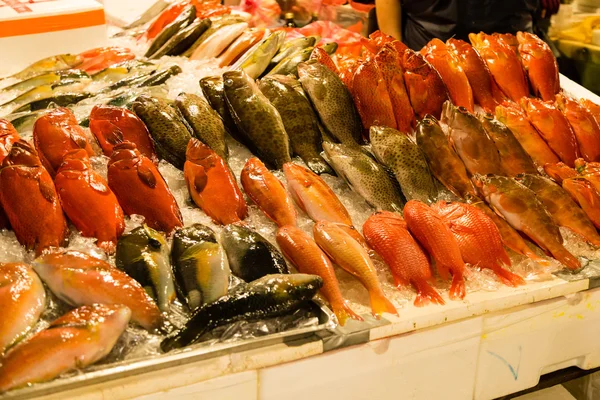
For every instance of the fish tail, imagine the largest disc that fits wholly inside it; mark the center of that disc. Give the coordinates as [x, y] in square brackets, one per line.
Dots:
[566, 258]
[457, 289]
[427, 294]
[508, 278]
[183, 337]
[343, 311]
[380, 304]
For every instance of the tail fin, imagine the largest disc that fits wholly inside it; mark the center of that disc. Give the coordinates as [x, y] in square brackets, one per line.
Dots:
[531, 255]
[380, 304]
[566, 258]
[426, 294]
[343, 312]
[508, 278]
[457, 289]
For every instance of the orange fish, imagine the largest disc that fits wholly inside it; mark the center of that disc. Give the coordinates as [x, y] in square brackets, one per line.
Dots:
[592, 107]
[88, 201]
[308, 258]
[510, 39]
[169, 15]
[371, 96]
[113, 125]
[585, 126]
[503, 63]
[590, 171]
[212, 185]
[586, 196]
[526, 134]
[268, 193]
[346, 66]
[80, 279]
[431, 231]
[559, 171]
[553, 127]
[377, 40]
[387, 234]
[426, 89]
[242, 44]
[141, 189]
[98, 59]
[478, 238]
[352, 257]
[8, 135]
[55, 134]
[388, 61]
[477, 72]
[452, 73]
[540, 64]
[323, 57]
[77, 339]
[29, 199]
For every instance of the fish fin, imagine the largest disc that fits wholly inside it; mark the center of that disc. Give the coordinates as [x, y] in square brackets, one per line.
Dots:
[509, 278]
[200, 179]
[380, 304]
[443, 271]
[399, 281]
[343, 311]
[457, 289]
[146, 175]
[567, 259]
[427, 294]
[47, 190]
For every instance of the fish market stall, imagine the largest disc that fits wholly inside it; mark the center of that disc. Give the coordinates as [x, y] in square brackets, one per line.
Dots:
[207, 206]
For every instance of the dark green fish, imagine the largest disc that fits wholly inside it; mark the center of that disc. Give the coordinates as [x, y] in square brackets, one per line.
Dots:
[60, 100]
[183, 39]
[250, 255]
[214, 91]
[158, 78]
[183, 20]
[268, 297]
[330, 47]
[289, 65]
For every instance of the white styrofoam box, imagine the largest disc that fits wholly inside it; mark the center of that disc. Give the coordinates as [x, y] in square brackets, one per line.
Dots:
[35, 29]
[122, 13]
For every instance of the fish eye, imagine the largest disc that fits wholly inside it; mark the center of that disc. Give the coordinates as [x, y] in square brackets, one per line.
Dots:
[155, 243]
[463, 110]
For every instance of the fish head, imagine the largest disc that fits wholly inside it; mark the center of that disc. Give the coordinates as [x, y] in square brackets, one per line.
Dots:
[312, 72]
[210, 84]
[22, 153]
[254, 168]
[72, 60]
[414, 62]
[457, 116]
[457, 46]
[106, 112]
[238, 82]
[559, 171]
[199, 153]
[7, 130]
[102, 319]
[489, 184]
[76, 160]
[296, 286]
[125, 155]
[234, 234]
[52, 262]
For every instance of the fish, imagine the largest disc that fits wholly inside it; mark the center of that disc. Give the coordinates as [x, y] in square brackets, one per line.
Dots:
[388, 61]
[212, 185]
[592, 107]
[242, 44]
[290, 47]
[584, 126]
[477, 72]
[200, 266]
[332, 101]
[217, 23]
[257, 119]
[29, 199]
[583, 192]
[365, 176]
[299, 120]
[206, 124]
[97, 59]
[513, 157]
[214, 92]
[346, 67]
[324, 58]
[79, 338]
[405, 159]
[23, 100]
[256, 61]
[289, 65]
[150, 14]
[308, 258]
[270, 296]
[426, 89]
[184, 39]
[55, 98]
[141, 189]
[88, 202]
[559, 172]
[541, 66]
[250, 255]
[561, 206]
[447, 65]
[183, 19]
[44, 79]
[590, 171]
[478, 239]
[525, 212]
[554, 127]
[348, 254]
[443, 161]
[218, 41]
[143, 254]
[79, 279]
[8, 136]
[526, 134]
[471, 142]
[22, 300]
[49, 64]
[166, 126]
[268, 193]
[388, 235]
[503, 63]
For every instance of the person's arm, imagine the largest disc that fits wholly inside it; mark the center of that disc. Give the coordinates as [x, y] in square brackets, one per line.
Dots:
[389, 17]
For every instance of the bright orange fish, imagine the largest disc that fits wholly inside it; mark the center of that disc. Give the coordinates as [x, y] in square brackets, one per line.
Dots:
[592, 107]
[169, 15]
[426, 89]
[29, 199]
[586, 196]
[308, 258]
[590, 171]
[433, 233]
[212, 186]
[323, 57]
[55, 134]
[235, 50]
[540, 64]
[113, 125]
[268, 193]
[452, 73]
[389, 62]
[559, 171]
[478, 238]
[88, 201]
[346, 66]
[98, 59]
[554, 128]
[377, 40]
[387, 234]
[503, 63]
[141, 189]
[585, 126]
[8, 135]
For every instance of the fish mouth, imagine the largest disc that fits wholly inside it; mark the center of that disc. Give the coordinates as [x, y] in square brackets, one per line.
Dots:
[428, 120]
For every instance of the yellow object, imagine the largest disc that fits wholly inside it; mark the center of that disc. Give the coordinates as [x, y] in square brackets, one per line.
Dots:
[581, 32]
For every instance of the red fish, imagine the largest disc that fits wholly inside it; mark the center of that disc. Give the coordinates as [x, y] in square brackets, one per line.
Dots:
[29, 199]
[169, 15]
[387, 234]
[323, 57]
[592, 107]
[377, 40]
[113, 125]
[88, 201]
[55, 134]
[346, 66]
[540, 64]
[242, 44]
[8, 135]
[559, 171]
[98, 59]
[212, 185]
[588, 198]
[585, 126]
[141, 189]
[433, 233]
